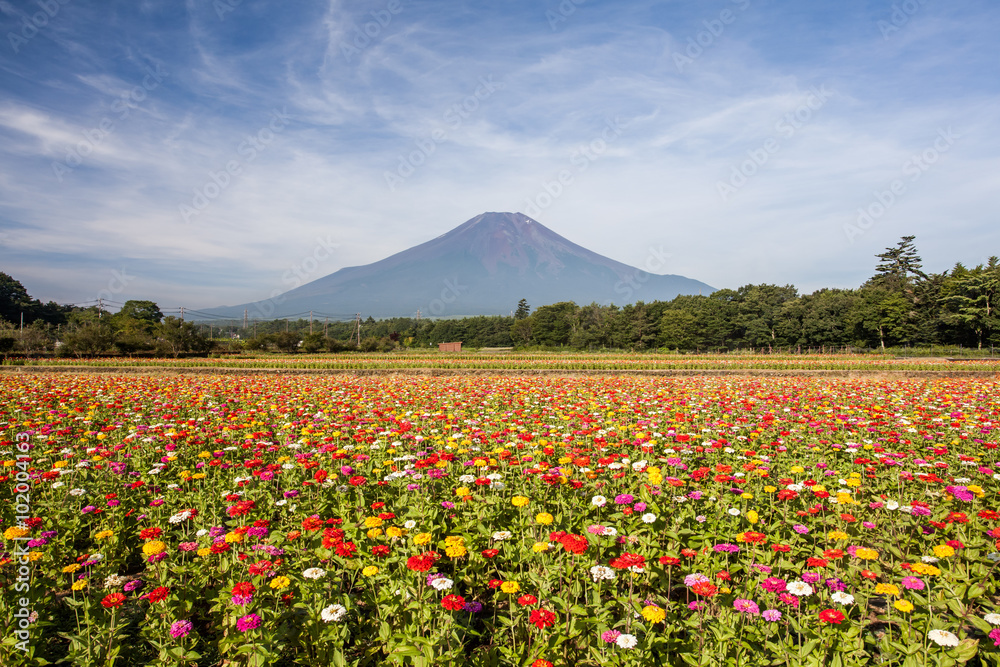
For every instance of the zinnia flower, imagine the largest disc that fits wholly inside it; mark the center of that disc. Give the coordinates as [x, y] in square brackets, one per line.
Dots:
[542, 618]
[943, 638]
[113, 600]
[248, 622]
[831, 616]
[180, 629]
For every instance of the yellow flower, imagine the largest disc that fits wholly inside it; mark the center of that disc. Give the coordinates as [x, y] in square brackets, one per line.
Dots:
[796, 470]
[925, 569]
[280, 582]
[79, 584]
[943, 551]
[510, 587]
[422, 538]
[887, 589]
[864, 553]
[393, 532]
[205, 551]
[452, 540]
[232, 537]
[70, 569]
[746, 496]
[373, 522]
[153, 547]
[374, 532]
[455, 550]
[976, 489]
[519, 501]
[837, 535]
[463, 491]
[15, 531]
[904, 606]
[770, 489]
[544, 518]
[539, 547]
[846, 499]
[653, 614]
[104, 534]
[853, 482]
[370, 571]
[752, 516]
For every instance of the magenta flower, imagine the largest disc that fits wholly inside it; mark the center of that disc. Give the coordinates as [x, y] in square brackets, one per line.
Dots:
[913, 583]
[774, 585]
[771, 615]
[609, 636]
[746, 606]
[179, 629]
[248, 622]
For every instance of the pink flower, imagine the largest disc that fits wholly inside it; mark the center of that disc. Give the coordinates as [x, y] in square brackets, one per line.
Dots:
[609, 636]
[248, 622]
[180, 629]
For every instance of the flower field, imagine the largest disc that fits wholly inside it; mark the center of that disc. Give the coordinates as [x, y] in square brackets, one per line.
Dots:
[338, 520]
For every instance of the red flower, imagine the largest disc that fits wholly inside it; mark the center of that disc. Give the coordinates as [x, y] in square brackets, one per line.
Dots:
[357, 480]
[542, 618]
[782, 548]
[955, 544]
[627, 560]
[831, 616]
[494, 583]
[420, 563]
[689, 553]
[527, 600]
[541, 663]
[261, 568]
[113, 601]
[868, 574]
[347, 549]
[704, 589]
[380, 550]
[669, 560]
[150, 533]
[244, 588]
[159, 594]
[833, 553]
[312, 523]
[453, 602]
[816, 562]
[725, 576]
[490, 553]
[576, 544]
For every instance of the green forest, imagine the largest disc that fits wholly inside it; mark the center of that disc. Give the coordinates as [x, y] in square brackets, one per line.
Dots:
[899, 306]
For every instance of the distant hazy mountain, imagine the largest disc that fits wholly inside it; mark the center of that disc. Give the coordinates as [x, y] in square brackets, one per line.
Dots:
[482, 267]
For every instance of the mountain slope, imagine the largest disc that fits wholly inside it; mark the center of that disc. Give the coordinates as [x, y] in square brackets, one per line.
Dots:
[481, 267]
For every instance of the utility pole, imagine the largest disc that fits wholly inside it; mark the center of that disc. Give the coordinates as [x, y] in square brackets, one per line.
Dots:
[418, 314]
[326, 321]
[244, 319]
[182, 313]
[359, 329]
[100, 309]
[310, 322]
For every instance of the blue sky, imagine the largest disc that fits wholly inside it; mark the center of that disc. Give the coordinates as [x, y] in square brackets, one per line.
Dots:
[196, 153]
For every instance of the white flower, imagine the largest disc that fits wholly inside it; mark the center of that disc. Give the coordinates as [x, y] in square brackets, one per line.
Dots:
[115, 581]
[680, 499]
[202, 532]
[733, 511]
[800, 588]
[314, 573]
[502, 535]
[281, 503]
[181, 516]
[76, 492]
[929, 559]
[943, 638]
[442, 583]
[609, 531]
[892, 505]
[467, 479]
[841, 597]
[992, 619]
[649, 517]
[600, 572]
[626, 641]
[598, 501]
[334, 612]
[410, 525]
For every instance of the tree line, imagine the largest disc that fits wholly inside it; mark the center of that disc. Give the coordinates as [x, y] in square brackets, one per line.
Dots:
[900, 305]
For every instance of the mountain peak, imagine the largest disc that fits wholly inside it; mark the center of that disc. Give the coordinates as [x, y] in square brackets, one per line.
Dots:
[483, 266]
